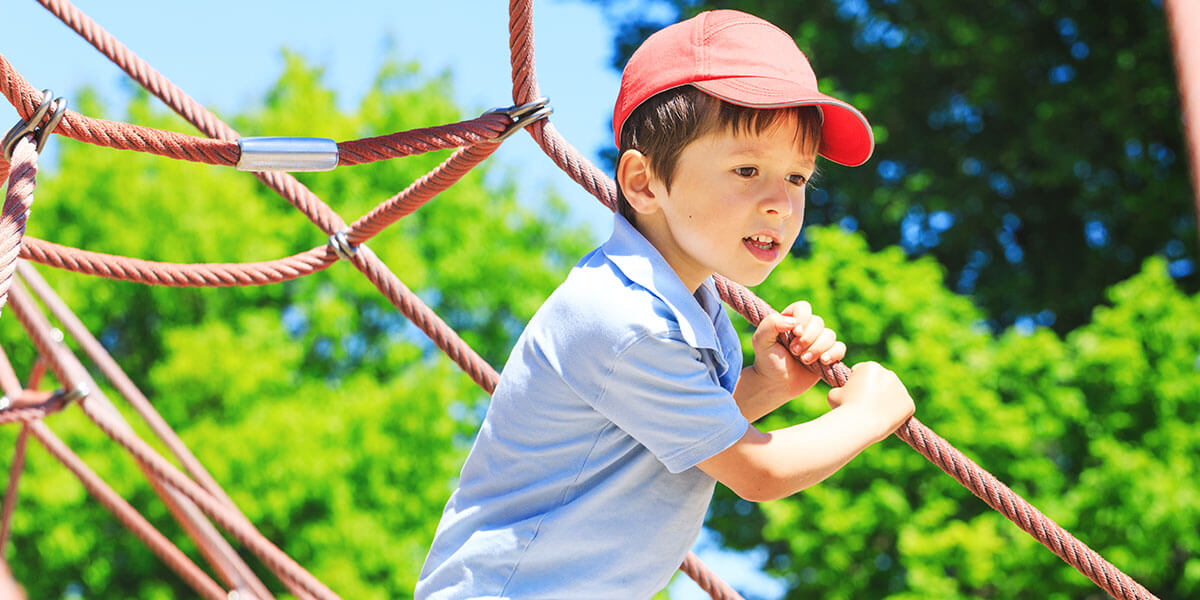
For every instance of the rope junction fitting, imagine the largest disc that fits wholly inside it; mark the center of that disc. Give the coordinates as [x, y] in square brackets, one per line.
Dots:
[79, 392]
[293, 154]
[341, 245]
[522, 116]
[56, 108]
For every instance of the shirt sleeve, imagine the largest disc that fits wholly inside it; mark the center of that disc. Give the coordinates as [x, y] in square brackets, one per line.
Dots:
[659, 391]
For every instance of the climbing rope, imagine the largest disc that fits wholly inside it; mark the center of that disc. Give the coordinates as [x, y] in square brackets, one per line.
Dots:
[476, 139]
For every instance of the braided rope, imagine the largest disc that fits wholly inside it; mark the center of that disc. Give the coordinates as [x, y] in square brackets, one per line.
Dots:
[71, 374]
[707, 580]
[129, 516]
[419, 192]
[124, 268]
[215, 548]
[10, 493]
[17, 200]
[1182, 17]
[937, 450]
[427, 139]
[423, 317]
[587, 175]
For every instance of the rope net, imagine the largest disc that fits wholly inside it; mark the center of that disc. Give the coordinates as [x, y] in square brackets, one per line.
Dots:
[191, 494]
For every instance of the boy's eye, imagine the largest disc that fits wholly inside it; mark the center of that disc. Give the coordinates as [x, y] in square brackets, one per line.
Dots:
[798, 179]
[746, 171]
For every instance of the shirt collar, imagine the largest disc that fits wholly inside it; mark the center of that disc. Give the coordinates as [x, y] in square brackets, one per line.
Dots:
[642, 264]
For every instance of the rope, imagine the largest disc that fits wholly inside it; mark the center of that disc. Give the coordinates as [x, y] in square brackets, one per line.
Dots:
[17, 200]
[707, 580]
[419, 141]
[124, 268]
[921, 438]
[581, 170]
[421, 191]
[423, 317]
[130, 517]
[1183, 17]
[225, 152]
[217, 551]
[71, 374]
[10, 493]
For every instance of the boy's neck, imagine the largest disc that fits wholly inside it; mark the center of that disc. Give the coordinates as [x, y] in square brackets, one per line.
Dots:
[653, 227]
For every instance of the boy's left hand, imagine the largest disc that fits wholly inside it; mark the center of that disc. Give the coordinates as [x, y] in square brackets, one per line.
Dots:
[811, 342]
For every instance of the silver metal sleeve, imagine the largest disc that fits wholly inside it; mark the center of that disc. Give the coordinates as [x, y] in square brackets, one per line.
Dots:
[287, 154]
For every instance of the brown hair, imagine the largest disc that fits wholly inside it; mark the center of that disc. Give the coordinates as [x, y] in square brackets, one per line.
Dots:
[663, 125]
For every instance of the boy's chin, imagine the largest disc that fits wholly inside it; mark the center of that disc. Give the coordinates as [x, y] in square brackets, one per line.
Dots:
[750, 279]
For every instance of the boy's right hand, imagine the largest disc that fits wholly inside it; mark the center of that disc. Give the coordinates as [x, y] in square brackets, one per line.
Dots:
[879, 394]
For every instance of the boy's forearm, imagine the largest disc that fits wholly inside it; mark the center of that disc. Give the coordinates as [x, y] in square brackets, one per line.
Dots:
[797, 457]
[756, 397]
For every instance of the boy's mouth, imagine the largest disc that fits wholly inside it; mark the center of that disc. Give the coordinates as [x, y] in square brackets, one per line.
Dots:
[762, 247]
[761, 242]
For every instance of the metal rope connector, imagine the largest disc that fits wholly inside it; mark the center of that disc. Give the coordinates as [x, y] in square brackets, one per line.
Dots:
[522, 115]
[342, 246]
[294, 154]
[34, 126]
[79, 392]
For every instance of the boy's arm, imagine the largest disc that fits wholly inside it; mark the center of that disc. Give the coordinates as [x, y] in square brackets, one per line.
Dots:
[767, 466]
[757, 396]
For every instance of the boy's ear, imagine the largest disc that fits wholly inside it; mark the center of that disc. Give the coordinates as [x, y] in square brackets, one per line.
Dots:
[634, 176]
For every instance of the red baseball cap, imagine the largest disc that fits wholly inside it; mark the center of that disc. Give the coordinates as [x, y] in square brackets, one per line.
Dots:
[743, 60]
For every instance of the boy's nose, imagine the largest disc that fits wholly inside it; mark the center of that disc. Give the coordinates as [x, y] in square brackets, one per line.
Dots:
[777, 202]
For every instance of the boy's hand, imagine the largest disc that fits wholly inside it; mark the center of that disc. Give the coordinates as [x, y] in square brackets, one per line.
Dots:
[811, 341]
[880, 396]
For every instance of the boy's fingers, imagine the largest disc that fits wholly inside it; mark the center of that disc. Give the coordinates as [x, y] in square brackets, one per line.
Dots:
[819, 348]
[801, 310]
[834, 354]
[811, 331]
[769, 329]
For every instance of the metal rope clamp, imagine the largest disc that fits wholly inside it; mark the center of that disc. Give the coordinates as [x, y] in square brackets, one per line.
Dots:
[522, 116]
[79, 392]
[56, 108]
[295, 154]
[341, 246]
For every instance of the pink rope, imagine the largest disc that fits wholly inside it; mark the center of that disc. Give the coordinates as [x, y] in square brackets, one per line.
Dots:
[420, 192]
[1183, 16]
[72, 375]
[216, 550]
[10, 493]
[587, 175]
[17, 200]
[423, 317]
[126, 268]
[981, 483]
[159, 544]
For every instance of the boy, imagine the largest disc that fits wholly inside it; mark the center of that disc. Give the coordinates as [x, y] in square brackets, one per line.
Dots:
[624, 400]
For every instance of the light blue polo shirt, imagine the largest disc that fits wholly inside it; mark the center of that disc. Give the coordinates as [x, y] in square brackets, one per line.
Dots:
[582, 482]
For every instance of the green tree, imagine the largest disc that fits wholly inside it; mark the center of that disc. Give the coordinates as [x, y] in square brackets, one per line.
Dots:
[333, 423]
[1034, 148]
[1094, 429]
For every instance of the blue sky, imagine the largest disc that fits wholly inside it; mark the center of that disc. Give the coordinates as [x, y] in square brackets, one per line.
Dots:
[226, 54]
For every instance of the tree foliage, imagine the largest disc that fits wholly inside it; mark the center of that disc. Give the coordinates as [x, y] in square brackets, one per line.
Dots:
[1034, 147]
[1095, 429]
[333, 423]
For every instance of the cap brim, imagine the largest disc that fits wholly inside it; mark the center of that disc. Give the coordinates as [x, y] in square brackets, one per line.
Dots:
[846, 136]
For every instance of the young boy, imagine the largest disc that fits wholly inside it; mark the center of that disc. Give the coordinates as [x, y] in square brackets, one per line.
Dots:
[625, 400]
